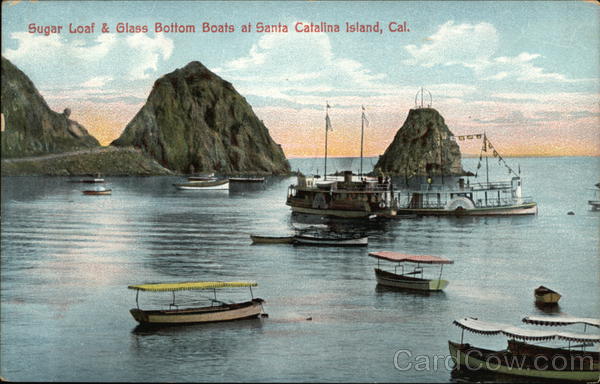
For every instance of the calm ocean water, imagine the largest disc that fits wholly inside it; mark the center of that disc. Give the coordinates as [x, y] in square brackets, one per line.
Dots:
[66, 261]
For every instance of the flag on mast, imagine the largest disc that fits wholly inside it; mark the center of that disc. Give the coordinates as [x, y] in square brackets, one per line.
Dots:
[364, 116]
[328, 126]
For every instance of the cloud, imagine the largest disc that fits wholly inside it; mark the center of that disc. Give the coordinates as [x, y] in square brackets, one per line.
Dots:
[475, 46]
[97, 81]
[138, 55]
[39, 47]
[456, 44]
[147, 52]
[298, 68]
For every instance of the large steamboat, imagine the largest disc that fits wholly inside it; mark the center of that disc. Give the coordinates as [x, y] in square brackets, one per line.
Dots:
[347, 197]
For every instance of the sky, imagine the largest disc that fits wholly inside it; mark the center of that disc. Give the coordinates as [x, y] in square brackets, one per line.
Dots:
[526, 73]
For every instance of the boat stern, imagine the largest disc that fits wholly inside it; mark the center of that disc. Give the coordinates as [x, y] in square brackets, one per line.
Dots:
[438, 285]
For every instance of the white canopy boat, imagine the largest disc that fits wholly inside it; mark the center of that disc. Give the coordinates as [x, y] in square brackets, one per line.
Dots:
[524, 359]
[217, 311]
[409, 279]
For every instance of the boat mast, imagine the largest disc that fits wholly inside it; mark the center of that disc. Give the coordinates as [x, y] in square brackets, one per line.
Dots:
[327, 128]
[487, 169]
[362, 133]
[441, 158]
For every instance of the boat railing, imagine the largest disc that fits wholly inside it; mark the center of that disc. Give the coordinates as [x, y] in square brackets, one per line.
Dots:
[491, 185]
[501, 202]
[479, 203]
[340, 188]
[370, 187]
[446, 188]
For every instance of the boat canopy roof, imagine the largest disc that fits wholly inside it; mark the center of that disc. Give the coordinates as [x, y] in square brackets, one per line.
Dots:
[192, 285]
[489, 328]
[395, 256]
[561, 320]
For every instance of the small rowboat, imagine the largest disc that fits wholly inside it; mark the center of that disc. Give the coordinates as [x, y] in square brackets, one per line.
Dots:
[272, 239]
[247, 179]
[409, 279]
[331, 239]
[544, 295]
[204, 185]
[217, 311]
[98, 192]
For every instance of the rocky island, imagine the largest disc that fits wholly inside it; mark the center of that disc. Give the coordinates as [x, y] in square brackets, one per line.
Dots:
[195, 121]
[423, 146]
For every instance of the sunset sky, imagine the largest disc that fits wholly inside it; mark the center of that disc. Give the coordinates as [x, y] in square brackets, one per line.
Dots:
[526, 73]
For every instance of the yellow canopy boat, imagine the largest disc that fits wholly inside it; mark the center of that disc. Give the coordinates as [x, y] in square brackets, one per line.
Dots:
[217, 311]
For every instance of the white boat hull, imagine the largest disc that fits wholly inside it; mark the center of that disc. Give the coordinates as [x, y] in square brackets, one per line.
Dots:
[398, 281]
[514, 210]
[200, 187]
[472, 362]
[199, 315]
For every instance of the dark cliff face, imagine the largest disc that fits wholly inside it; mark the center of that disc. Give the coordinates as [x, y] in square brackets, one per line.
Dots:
[30, 126]
[195, 121]
[422, 146]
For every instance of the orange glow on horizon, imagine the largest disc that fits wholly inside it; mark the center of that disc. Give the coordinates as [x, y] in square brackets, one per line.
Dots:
[303, 135]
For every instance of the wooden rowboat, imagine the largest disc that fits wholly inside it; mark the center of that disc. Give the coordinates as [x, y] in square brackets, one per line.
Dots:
[414, 279]
[217, 311]
[204, 185]
[272, 239]
[332, 239]
[544, 295]
[247, 179]
[98, 192]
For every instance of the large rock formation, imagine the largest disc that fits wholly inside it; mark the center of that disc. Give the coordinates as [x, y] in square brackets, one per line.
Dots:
[195, 121]
[30, 126]
[422, 146]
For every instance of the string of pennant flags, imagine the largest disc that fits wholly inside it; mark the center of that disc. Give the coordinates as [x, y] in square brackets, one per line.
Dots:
[484, 148]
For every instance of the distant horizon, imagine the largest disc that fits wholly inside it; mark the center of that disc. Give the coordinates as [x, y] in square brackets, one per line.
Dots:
[466, 156]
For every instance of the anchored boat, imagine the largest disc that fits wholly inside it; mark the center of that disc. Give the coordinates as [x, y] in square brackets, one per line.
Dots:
[217, 311]
[409, 279]
[595, 202]
[247, 179]
[349, 196]
[257, 239]
[528, 360]
[98, 191]
[489, 198]
[331, 239]
[544, 295]
[204, 185]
